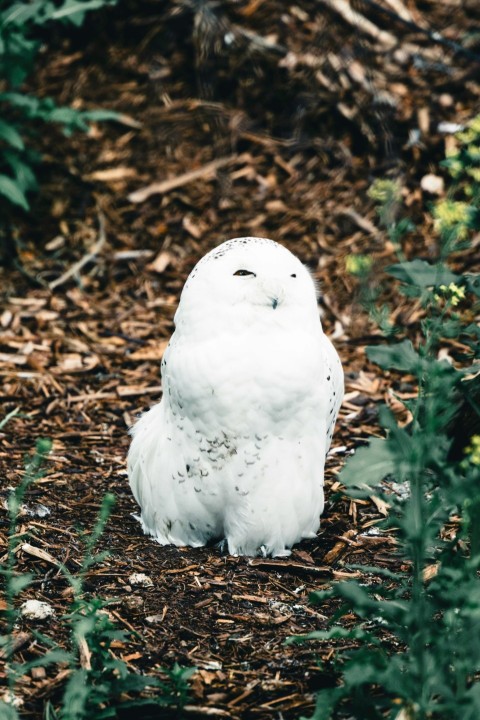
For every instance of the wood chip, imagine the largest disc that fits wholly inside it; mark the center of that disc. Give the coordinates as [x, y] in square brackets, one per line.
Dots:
[124, 391]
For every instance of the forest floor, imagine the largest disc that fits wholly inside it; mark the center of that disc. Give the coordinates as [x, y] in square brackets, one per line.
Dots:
[285, 139]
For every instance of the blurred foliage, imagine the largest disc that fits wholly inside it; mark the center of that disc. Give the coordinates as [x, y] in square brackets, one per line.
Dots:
[21, 27]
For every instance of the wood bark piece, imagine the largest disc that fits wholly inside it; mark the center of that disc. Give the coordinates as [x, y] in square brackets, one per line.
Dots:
[340, 547]
[18, 641]
[40, 554]
[205, 172]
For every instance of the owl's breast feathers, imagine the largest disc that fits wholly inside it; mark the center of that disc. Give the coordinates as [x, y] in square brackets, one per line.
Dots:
[245, 383]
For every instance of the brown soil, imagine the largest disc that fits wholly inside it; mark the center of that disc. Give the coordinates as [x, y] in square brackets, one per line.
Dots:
[304, 135]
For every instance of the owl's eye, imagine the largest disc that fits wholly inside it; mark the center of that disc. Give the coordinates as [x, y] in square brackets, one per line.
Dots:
[293, 275]
[243, 273]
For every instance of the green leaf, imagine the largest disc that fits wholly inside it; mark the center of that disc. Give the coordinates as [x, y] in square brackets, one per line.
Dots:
[76, 696]
[8, 712]
[401, 356]
[43, 446]
[364, 668]
[390, 611]
[423, 274]
[69, 117]
[12, 191]
[49, 711]
[24, 174]
[337, 632]
[9, 416]
[473, 697]
[10, 135]
[74, 11]
[20, 582]
[369, 466]
[21, 13]
[473, 283]
[326, 701]
[99, 115]
[31, 106]
[48, 658]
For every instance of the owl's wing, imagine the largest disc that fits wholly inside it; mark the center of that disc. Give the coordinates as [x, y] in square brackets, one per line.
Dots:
[146, 465]
[164, 481]
[334, 383]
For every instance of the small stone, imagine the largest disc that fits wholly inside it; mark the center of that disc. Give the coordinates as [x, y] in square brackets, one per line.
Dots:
[432, 184]
[140, 579]
[449, 128]
[39, 510]
[10, 699]
[133, 602]
[154, 619]
[446, 100]
[36, 610]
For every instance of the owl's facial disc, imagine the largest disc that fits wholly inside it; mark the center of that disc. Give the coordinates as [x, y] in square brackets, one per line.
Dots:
[242, 279]
[263, 288]
[273, 299]
[261, 276]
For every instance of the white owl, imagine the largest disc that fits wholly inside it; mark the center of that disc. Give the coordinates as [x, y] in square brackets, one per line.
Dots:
[236, 448]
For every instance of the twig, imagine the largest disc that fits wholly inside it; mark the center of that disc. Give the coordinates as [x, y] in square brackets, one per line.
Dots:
[398, 7]
[261, 42]
[344, 9]
[159, 188]
[206, 710]
[432, 35]
[94, 250]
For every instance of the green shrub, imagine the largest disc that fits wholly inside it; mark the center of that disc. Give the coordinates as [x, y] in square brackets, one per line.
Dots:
[20, 26]
[416, 649]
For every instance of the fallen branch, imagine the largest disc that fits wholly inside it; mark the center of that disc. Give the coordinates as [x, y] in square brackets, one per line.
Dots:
[160, 188]
[93, 252]
[290, 566]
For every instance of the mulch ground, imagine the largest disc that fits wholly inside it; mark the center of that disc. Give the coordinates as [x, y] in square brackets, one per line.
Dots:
[283, 140]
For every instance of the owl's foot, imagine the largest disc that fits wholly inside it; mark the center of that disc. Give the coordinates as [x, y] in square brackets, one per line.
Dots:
[222, 546]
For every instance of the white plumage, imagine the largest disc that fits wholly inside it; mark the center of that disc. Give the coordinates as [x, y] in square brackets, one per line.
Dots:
[236, 448]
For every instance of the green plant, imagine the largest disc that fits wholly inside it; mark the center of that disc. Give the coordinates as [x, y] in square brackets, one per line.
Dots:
[14, 582]
[99, 683]
[20, 40]
[416, 647]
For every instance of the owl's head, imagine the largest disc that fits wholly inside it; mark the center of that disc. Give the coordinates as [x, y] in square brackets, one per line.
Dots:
[246, 280]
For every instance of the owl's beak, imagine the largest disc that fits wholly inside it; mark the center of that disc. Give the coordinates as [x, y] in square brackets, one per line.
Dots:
[275, 299]
[274, 293]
